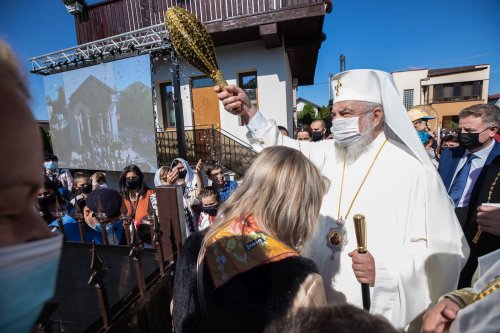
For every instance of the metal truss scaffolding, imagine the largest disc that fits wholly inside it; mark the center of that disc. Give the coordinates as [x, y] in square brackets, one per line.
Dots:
[153, 39]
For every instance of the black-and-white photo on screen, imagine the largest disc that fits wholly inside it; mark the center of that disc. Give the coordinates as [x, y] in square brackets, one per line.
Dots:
[101, 117]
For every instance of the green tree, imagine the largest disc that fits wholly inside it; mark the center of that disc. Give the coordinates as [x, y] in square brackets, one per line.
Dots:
[307, 115]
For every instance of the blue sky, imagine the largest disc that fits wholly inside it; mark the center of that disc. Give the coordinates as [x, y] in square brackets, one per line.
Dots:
[388, 35]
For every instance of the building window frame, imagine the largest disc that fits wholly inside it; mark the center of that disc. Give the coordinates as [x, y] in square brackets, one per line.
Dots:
[167, 105]
[252, 92]
[457, 91]
[408, 95]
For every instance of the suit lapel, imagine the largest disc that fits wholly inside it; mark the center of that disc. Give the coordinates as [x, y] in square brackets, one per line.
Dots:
[480, 179]
[456, 155]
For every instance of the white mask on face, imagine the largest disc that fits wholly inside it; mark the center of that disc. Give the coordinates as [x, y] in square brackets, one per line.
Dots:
[346, 130]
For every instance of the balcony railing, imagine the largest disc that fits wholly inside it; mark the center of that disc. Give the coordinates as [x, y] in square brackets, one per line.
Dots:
[455, 99]
[205, 144]
[116, 17]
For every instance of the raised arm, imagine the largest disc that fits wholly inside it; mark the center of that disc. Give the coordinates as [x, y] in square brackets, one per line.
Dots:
[235, 101]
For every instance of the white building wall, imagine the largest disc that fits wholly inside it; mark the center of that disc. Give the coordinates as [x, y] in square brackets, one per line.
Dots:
[274, 83]
[410, 80]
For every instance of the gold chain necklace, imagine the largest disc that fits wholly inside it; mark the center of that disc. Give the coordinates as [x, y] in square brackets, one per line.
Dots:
[341, 219]
[475, 240]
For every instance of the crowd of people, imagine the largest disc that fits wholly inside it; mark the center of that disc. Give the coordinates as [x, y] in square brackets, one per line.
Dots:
[279, 251]
[63, 199]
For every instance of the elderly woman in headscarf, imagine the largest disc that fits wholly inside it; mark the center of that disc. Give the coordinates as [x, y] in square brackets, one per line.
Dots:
[181, 174]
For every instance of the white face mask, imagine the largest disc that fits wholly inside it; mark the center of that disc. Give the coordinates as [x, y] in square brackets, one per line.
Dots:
[346, 131]
[28, 274]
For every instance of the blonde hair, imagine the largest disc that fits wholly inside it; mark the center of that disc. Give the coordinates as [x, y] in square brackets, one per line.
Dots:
[284, 191]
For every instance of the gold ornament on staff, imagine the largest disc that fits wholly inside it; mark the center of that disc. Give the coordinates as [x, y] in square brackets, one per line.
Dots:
[360, 229]
[192, 41]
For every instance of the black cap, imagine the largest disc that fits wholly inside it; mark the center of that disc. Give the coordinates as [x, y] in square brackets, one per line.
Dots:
[110, 201]
[50, 157]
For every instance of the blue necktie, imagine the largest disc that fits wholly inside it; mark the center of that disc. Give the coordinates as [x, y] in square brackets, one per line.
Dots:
[458, 186]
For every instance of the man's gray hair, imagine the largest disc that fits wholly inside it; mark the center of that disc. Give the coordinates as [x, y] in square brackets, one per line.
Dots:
[370, 106]
[489, 113]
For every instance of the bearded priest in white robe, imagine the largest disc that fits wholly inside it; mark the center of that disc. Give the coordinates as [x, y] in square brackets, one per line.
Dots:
[378, 168]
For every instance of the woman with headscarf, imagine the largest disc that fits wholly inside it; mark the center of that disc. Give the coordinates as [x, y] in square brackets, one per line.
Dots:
[249, 267]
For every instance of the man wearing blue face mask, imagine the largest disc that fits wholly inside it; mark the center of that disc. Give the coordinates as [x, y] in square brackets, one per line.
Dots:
[52, 170]
[29, 252]
[380, 169]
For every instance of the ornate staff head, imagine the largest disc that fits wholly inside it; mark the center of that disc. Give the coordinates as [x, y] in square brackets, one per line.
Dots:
[192, 41]
[360, 229]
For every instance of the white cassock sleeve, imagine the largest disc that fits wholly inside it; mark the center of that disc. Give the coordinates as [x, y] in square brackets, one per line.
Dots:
[428, 262]
[483, 315]
[264, 133]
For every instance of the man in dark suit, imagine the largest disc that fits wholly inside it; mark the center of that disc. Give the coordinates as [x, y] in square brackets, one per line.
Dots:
[468, 174]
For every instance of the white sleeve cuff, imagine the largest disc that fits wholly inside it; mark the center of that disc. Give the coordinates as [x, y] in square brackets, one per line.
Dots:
[257, 125]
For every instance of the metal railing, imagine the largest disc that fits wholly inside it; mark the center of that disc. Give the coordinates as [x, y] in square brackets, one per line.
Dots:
[455, 99]
[116, 17]
[206, 143]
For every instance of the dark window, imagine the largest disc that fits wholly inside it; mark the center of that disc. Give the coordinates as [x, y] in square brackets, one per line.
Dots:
[478, 88]
[438, 92]
[248, 82]
[448, 92]
[461, 91]
[167, 101]
[467, 91]
[457, 91]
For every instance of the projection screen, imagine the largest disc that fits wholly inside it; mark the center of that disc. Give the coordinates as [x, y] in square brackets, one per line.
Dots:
[101, 117]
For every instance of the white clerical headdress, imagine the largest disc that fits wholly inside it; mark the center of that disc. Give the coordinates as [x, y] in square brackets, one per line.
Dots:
[356, 85]
[374, 86]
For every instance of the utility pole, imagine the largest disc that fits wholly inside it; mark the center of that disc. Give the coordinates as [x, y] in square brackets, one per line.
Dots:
[179, 117]
[342, 63]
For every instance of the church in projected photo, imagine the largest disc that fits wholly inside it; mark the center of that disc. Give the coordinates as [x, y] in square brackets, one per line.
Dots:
[96, 120]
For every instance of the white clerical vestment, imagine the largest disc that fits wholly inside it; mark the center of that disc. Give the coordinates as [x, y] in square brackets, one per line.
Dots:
[412, 232]
[483, 315]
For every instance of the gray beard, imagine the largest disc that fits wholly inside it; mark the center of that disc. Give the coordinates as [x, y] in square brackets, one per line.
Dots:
[352, 152]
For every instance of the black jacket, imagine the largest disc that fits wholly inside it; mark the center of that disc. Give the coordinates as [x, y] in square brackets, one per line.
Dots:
[247, 303]
[487, 242]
